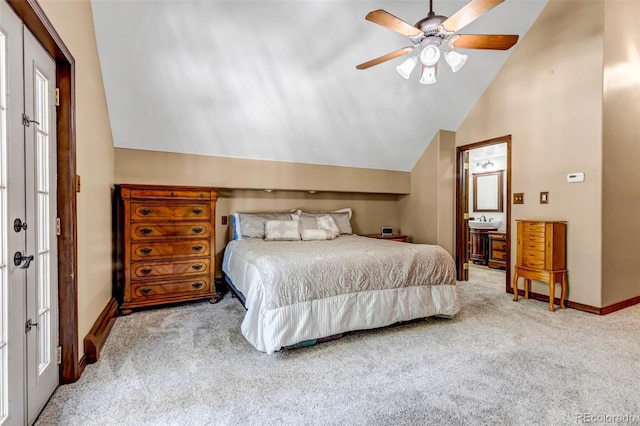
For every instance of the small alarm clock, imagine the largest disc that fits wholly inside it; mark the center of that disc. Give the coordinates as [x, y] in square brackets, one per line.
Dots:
[386, 230]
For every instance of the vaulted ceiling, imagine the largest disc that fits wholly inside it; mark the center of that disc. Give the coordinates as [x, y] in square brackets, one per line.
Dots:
[276, 80]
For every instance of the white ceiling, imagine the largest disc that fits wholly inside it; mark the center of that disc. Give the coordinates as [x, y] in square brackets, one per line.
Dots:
[276, 80]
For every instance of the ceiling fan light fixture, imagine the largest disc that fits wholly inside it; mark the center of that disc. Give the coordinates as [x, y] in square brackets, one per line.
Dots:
[405, 68]
[455, 60]
[428, 75]
[430, 55]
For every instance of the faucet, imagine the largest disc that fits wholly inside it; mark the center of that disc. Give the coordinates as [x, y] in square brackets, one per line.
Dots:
[483, 218]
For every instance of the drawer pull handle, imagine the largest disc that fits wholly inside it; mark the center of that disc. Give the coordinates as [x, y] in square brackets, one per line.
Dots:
[145, 291]
[196, 248]
[146, 231]
[145, 211]
[196, 285]
[196, 211]
[145, 250]
[197, 230]
[146, 271]
[197, 266]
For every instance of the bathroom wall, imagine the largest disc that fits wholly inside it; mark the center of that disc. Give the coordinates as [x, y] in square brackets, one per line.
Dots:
[499, 163]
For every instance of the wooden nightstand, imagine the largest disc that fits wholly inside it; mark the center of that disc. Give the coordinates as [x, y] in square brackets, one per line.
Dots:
[392, 237]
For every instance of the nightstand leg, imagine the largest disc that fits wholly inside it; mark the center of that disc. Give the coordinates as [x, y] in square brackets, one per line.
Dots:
[552, 292]
[515, 286]
[527, 284]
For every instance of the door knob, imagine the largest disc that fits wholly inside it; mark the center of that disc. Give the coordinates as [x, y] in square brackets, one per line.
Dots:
[18, 258]
[18, 225]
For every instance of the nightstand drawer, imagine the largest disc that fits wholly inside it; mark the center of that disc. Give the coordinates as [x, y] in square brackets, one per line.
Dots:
[149, 250]
[155, 270]
[143, 231]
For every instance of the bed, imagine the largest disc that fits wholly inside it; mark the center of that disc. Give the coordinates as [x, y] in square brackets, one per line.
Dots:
[298, 291]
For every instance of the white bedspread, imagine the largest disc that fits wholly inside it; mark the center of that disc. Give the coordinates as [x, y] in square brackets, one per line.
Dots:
[304, 290]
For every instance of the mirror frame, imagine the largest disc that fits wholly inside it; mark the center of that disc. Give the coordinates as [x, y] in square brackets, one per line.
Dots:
[488, 175]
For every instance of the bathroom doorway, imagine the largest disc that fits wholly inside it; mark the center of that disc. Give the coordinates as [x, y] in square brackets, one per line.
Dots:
[483, 208]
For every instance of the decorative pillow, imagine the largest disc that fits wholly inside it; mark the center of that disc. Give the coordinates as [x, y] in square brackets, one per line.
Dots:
[235, 226]
[316, 234]
[281, 230]
[341, 217]
[252, 224]
[327, 223]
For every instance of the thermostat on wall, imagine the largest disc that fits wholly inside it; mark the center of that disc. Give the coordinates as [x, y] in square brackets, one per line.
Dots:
[386, 230]
[575, 177]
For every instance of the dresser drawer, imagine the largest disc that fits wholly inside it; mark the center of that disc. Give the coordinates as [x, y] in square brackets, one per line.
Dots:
[154, 270]
[533, 245]
[145, 211]
[532, 237]
[533, 258]
[170, 194]
[532, 263]
[151, 250]
[533, 227]
[144, 231]
[143, 291]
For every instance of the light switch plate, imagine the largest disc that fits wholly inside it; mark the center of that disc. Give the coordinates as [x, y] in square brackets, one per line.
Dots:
[544, 198]
[518, 198]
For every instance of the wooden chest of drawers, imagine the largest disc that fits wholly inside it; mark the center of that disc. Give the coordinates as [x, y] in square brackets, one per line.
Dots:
[165, 245]
[541, 255]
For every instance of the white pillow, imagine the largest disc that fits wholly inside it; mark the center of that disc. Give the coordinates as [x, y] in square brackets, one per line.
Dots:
[341, 217]
[316, 235]
[327, 223]
[281, 230]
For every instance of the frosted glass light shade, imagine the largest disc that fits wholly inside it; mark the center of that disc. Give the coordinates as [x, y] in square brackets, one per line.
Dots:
[405, 68]
[455, 60]
[428, 75]
[430, 55]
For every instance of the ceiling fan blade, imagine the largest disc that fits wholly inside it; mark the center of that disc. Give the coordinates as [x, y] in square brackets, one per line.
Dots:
[385, 58]
[393, 23]
[467, 14]
[483, 41]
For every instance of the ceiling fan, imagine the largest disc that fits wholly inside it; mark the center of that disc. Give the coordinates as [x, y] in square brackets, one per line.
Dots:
[435, 35]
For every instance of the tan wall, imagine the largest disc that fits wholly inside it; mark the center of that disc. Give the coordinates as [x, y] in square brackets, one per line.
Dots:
[73, 21]
[154, 167]
[548, 96]
[621, 152]
[427, 215]
[371, 194]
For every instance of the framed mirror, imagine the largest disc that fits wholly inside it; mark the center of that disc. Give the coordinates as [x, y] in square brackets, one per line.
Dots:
[487, 191]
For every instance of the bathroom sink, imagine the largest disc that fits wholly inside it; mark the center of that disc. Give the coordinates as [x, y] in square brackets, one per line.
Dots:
[476, 224]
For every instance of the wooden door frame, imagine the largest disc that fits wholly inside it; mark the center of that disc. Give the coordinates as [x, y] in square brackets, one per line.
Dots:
[461, 190]
[36, 21]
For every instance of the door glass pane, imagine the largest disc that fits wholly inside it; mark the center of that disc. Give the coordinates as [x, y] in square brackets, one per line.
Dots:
[4, 291]
[43, 217]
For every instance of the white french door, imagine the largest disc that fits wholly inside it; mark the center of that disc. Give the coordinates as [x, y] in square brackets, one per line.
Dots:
[28, 256]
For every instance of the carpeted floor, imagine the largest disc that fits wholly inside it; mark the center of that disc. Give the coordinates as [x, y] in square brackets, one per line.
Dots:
[496, 363]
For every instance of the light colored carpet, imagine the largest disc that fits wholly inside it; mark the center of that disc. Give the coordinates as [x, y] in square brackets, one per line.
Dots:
[497, 362]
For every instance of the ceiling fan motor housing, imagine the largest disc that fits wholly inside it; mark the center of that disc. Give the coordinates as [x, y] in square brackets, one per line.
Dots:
[429, 25]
